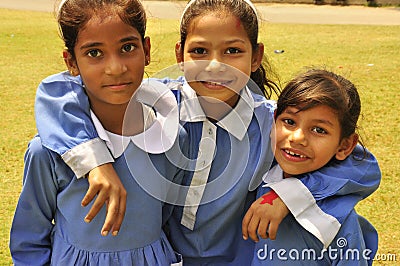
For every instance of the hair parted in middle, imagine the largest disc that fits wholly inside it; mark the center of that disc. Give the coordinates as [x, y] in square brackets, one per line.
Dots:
[246, 13]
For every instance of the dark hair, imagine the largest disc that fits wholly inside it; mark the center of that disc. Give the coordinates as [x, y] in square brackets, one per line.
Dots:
[321, 87]
[74, 14]
[248, 17]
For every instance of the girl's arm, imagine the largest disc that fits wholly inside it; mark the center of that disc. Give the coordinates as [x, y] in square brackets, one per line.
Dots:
[325, 198]
[320, 201]
[65, 127]
[30, 235]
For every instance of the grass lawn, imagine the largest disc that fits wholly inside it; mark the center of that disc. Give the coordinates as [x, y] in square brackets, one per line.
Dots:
[30, 50]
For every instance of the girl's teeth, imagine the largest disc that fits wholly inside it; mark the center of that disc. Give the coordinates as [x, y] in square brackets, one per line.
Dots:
[295, 154]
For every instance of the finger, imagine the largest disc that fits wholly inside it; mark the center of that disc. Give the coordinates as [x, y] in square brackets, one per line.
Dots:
[96, 207]
[253, 226]
[245, 224]
[272, 230]
[263, 229]
[90, 195]
[111, 215]
[120, 215]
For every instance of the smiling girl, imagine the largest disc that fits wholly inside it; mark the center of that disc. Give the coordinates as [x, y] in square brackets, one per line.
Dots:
[315, 128]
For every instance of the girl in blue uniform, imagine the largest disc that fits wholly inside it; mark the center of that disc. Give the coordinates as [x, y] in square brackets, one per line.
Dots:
[228, 122]
[315, 127]
[106, 45]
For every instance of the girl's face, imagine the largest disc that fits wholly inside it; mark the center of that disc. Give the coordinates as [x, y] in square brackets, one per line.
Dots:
[110, 57]
[218, 57]
[307, 140]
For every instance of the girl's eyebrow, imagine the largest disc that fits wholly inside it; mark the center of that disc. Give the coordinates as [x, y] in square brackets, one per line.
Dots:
[323, 121]
[204, 42]
[130, 38]
[90, 45]
[96, 44]
[234, 41]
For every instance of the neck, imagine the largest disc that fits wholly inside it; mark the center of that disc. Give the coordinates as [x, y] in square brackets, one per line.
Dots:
[113, 119]
[216, 110]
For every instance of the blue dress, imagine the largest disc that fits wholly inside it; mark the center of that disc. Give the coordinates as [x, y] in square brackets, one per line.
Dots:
[49, 229]
[206, 227]
[356, 242]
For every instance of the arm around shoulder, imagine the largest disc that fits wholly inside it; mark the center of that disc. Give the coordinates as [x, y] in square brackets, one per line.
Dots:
[62, 114]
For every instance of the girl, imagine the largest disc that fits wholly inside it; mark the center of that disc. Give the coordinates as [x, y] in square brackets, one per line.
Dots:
[228, 126]
[315, 127]
[106, 45]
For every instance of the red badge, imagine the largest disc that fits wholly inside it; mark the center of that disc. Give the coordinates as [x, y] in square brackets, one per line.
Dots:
[269, 198]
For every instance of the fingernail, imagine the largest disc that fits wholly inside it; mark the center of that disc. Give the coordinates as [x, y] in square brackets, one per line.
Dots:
[87, 220]
[244, 237]
[104, 233]
[115, 233]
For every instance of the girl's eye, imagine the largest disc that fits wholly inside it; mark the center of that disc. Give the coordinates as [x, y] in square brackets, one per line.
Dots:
[129, 47]
[319, 130]
[198, 51]
[232, 51]
[94, 53]
[288, 121]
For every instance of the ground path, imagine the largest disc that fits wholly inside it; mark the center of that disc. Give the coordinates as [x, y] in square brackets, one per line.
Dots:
[275, 13]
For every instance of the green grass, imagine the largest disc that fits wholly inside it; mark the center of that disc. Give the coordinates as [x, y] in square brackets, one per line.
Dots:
[30, 50]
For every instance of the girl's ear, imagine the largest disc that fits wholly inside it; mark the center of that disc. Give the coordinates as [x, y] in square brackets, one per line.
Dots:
[147, 48]
[179, 52]
[257, 57]
[346, 147]
[179, 55]
[70, 63]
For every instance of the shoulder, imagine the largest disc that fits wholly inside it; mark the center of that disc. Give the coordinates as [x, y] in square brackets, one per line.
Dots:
[59, 82]
[61, 77]
[37, 152]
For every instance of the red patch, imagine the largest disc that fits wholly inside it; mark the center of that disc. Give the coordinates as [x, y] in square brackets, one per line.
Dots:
[269, 198]
[238, 23]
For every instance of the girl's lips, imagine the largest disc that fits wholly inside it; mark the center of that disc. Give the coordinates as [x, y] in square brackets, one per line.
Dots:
[293, 156]
[216, 85]
[120, 86]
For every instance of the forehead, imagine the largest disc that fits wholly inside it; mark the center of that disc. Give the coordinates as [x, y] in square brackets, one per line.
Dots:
[105, 26]
[318, 112]
[221, 22]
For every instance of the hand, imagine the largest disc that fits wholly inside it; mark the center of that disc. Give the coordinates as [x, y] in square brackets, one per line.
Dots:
[105, 183]
[265, 214]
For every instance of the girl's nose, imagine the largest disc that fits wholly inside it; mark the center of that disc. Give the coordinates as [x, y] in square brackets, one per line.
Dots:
[298, 136]
[115, 66]
[215, 66]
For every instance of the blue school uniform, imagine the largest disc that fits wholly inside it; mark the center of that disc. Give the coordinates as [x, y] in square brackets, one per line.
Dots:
[207, 229]
[49, 227]
[232, 155]
[355, 243]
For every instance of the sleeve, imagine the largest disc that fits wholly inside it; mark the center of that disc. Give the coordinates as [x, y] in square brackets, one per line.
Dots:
[356, 243]
[327, 196]
[65, 126]
[30, 236]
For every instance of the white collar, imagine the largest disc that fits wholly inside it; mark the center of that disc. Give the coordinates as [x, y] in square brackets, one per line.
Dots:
[161, 127]
[117, 144]
[236, 122]
[275, 174]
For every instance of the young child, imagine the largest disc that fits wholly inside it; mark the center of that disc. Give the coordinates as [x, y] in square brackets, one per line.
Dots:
[106, 45]
[228, 126]
[315, 127]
